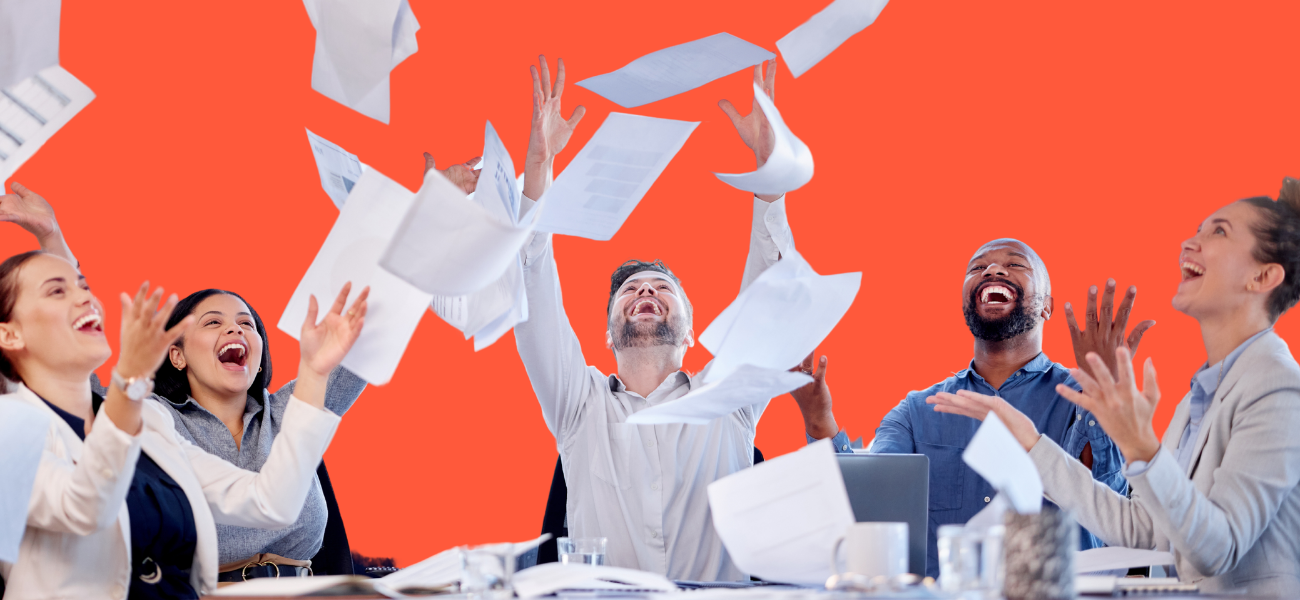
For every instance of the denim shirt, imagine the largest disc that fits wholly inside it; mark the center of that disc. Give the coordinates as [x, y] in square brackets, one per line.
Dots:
[956, 491]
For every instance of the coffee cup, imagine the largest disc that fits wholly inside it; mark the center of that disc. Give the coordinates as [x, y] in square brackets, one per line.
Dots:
[871, 550]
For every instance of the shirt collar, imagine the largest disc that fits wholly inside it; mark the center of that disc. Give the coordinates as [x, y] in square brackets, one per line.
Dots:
[1039, 364]
[680, 377]
[253, 405]
[1209, 376]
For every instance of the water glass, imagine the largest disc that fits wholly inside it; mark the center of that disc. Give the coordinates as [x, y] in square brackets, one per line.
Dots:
[970, 561]
[950, 564]
[582, 551]
[485, 571]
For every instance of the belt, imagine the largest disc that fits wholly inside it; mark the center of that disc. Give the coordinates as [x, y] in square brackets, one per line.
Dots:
[264, 565]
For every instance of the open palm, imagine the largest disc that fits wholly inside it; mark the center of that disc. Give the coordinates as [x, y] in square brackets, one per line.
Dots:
[550, 130]
[754, 128]
[323, 345]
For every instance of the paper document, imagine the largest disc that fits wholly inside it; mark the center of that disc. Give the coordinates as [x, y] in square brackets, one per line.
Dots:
[745, 386]
[779, 319]
[610, 175]
[1110, 558]
[357, 44]
[780, 518]
[549, 578]
[339, 169]
[809, 43]
[22, 441]
[33, 110]
[996, 455]
[365, 226]
[29, 38]
[449, 245]
[441, 569]
[788, 168]
[281, 587]
[676, 69]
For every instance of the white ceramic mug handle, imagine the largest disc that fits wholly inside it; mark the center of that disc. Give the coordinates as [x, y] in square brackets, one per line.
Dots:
[835, 554]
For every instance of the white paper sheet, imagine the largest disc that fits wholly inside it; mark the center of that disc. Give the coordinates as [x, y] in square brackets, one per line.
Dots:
[22, 440]
[358, 42]
[788, 168]
[779, 519]
[339, 169]
[33, 110]
[809, 43]
[282, 587]
[996, 455]
[440, 569]
[1106, 559]
[552, 577]
[609, 176]
[365, 226]
[745, 386]
[497, 190]
[779, 319]
[450, 246]
[676, 69]
[29, 38]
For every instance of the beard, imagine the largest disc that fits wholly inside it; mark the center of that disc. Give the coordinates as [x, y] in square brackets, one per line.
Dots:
[1021, 319]
[648, 335]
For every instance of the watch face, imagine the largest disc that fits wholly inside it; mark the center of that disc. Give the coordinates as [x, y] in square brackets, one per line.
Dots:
[137, 389]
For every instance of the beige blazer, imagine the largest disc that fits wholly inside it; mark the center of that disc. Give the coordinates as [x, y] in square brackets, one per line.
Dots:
[1232, 519]
[78, 528]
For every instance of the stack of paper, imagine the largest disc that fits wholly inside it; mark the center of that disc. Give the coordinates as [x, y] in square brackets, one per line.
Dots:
[442, 569]
[33, 110]
[339, 169]
[29, 36]
[788, 168]
[555, 577]
[366, 224]
[777, 321]
[676, 69]
[358, 42]
[22, 441]
[780, 519]
[610, 175]
[996, 455]
[809, 43]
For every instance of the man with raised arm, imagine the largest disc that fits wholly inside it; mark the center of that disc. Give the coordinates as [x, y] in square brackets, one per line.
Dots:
[640, 486]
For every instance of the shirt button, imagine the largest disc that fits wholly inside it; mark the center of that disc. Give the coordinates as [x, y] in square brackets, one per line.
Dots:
[654, 486]
[1091, 422]
[844, 447]
[1078, 417]
[650, 443]
[987, 499]
[654, 534]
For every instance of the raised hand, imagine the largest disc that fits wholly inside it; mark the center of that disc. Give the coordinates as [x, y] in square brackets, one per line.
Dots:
[462, 175]
[977, 406]
[550, 130]
[1101, 334]
[814, 400]
[323, 345]
[754, 128]
[1121, 409]
[145, 339]
[31, 212]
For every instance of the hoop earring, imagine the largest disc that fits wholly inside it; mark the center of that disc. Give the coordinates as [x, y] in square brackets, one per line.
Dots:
[259, 369]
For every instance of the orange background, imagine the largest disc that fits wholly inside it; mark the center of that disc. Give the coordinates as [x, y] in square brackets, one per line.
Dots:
[1100, 134]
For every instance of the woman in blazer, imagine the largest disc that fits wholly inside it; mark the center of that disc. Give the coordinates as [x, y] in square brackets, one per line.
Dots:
[125, 507]
[1220, 490]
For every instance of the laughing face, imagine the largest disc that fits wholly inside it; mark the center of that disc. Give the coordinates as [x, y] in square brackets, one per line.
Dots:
[1006, 292]
[56, 321]
[222, 350]
[649, 310]
[1217, 264]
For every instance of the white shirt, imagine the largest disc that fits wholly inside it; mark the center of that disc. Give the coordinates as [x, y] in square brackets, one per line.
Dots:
[641, 486]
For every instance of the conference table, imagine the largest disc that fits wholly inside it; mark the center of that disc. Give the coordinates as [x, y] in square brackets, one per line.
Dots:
[758, 593]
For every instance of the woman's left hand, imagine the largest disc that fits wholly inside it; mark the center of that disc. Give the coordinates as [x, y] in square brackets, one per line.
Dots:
[1123, 411]
[978, 406]
[323, 346]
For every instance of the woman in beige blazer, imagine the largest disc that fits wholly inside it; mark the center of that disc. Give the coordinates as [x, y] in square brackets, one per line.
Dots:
[79, 538]
[1220, 491]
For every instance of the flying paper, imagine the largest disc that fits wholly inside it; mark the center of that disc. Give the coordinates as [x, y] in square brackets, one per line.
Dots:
[779, 319]
[610, 175]
[996, 455]
[358, 42]
[339, 169]
[780, 518]
[22, 441]
[676, 69]
[809, 43]
[29, 38]
[788, 168]
[745, 386]
[365, 226]
[33, 110]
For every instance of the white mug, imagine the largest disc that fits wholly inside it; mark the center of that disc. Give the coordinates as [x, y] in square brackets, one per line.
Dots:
[872, 549]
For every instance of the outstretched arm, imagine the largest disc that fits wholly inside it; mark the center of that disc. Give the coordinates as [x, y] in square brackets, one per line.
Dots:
[31, 212]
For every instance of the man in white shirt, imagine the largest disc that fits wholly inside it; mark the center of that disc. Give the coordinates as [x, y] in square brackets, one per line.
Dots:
[640, 486]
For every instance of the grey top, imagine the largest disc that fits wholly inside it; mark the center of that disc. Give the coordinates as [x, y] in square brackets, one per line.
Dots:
[301, 540]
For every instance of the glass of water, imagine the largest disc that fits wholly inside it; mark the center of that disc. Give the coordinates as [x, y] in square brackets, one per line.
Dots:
[485, 571]
[581, 551]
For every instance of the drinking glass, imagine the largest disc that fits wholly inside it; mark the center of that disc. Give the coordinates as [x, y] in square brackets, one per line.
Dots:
[583, 551]
[485, 571]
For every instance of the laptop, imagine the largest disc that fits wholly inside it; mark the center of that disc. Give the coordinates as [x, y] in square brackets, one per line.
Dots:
[891, 488]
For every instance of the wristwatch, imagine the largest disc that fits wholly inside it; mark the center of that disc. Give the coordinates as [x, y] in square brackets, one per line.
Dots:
[135, 388]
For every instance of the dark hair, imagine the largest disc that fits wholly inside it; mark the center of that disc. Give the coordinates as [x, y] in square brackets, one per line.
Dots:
[1277, 236]
[8, 298]
[632, 267]
[172, 383]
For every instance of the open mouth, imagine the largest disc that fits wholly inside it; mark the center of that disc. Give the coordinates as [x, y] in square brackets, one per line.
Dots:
[89, 323]
[1191, 270]
[995, 294]
[645, 306]
[233, 355]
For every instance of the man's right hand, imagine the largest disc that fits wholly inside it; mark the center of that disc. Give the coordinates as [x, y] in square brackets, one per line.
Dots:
[462, 175]
[814, 400]
[1101, 333]
[550, 131]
